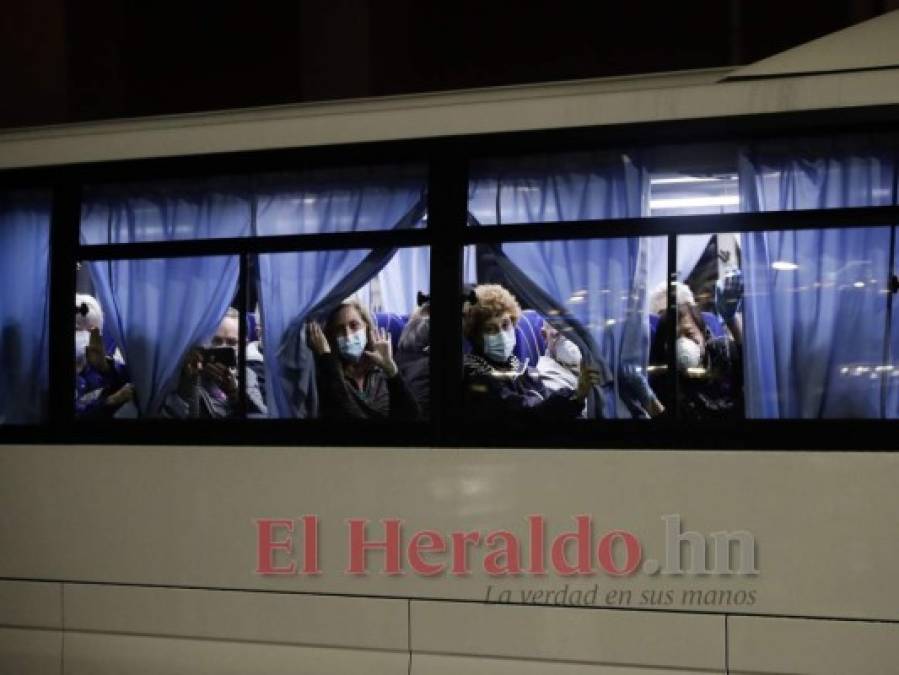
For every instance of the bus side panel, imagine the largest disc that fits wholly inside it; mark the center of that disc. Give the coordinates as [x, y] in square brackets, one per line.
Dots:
[819, 528]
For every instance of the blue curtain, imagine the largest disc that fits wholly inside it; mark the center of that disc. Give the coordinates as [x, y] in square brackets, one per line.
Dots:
[891, 372]
[408, 272]
[166, 211]
[24, 289]
[601, 282]
[552, 188]
[292, 284]
[156, 310]
[337, 200]
[815, 311]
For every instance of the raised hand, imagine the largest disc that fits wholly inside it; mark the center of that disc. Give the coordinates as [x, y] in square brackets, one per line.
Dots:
[222, 376]
[586, 379]
[729, 295]
[380, 352]
[95, 352]
[190, 371]
[317, 340]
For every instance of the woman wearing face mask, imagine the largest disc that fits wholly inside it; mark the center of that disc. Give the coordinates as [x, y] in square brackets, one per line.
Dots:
[495, 382]
[357, 376]
[709, 368]
[559, 367]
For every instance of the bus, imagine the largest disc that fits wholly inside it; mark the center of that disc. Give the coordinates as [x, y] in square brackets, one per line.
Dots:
[576, 377]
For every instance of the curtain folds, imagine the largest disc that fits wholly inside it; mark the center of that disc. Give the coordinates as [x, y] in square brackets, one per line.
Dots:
[817, 340]
[295, 286]
[24, 306]
[157, 309]
[599, 286]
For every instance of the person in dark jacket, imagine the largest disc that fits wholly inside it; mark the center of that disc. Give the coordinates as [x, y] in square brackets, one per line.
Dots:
[709, 369]
[496, 383]
[209, 390]
[413, 356]
[356, 374]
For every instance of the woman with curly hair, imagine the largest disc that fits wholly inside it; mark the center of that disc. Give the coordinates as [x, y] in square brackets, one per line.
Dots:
[495, 382]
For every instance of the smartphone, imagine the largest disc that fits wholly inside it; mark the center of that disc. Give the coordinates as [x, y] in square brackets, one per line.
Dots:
[226, 356]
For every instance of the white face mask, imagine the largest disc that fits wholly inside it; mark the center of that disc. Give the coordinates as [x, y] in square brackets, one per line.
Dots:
[82, 339]
[566, 352]
[689, 354]
[352, 346]
[498, 346]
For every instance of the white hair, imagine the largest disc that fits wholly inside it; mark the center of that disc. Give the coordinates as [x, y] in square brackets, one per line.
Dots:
[94, 316]
[658, 301]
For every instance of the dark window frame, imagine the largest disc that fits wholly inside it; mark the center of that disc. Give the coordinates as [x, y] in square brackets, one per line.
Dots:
[447, 234]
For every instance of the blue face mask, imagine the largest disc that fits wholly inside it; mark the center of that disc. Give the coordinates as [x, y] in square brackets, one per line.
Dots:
[498, 346]
[352, 346]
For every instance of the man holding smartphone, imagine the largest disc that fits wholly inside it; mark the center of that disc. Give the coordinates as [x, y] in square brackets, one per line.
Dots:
[208, 385]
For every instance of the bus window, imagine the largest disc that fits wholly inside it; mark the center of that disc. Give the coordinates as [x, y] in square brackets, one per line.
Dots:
[780, 325]
[560, 329]
[310, 202]
[704, 332]
[159, 338]
[556, 188]
[346, 333]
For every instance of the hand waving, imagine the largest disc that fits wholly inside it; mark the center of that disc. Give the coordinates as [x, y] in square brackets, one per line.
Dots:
[588, 377]
[729, 295]
[380, 352]
[317, 340]
[95, 351]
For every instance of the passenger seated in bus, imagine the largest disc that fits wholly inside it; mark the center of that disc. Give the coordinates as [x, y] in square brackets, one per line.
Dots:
[495, 382]
[709, 368]
[255, 358]
[559, 366]
[207, 386]
[413, 354]
[101, 381]
[356, 375]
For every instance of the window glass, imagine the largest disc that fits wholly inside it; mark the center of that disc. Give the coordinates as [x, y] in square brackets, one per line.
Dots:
[166, 211]
[312, 202]
[858, 170]
[24, 294]
[840, 172]
[376, 198]
[549, 188]
[781, 325]
[696, 179]
[559, 330]
[159, 338]
[345, 334]
[692, 193]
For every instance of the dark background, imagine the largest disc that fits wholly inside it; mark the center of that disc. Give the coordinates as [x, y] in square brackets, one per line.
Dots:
[65, 61]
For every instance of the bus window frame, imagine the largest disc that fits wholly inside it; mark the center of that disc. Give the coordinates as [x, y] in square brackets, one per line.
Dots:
[447, 233]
